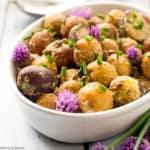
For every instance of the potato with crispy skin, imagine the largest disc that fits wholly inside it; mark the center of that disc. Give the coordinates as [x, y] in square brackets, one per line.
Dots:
[71, 74]
[95, 97]
[35, 80]
[146, 65]
[103, 73]
[71, 85]
[85, 50]
[39, 41]
[125, 89]
[47, 100]
[70, 22]
[44, 61]
[121, 63]
[54, 22]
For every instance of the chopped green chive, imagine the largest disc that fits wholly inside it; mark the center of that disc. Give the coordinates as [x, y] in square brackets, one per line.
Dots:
[50, 28]
[63, 71]
[138, 25]
[102, 87]
[118, 41]
[119, 53]
[90, 22]
[24, 88]
[78, 27]
[139, 46]
[104, 30]
[71, 43]
[84, 68]
[103, 37]
[89, 38]
[99, 60]
[101, 16]
[133, 14]
[29, 36]
[83, 83]
[50, 58]
[43, 65]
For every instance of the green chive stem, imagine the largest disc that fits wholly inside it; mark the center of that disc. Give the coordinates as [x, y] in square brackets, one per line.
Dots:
[141, 135]
[84, 68]
[130, 132]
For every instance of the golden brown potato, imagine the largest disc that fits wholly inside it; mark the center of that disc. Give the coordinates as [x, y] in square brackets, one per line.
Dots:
[125, 89]
[78, 32]
[71, 74]
[121, 63]
[94, 97]
[114, 16]
[61, 52]
[103, 73]
[70, 22]
[43, 61]
[39, 41]
[71, 85]
[109, 29]
[85, 50]
[109, 44]
[54, 22]
[126, 43]
[47, 100]
[146, 65]
[96, 20]
[146, 45]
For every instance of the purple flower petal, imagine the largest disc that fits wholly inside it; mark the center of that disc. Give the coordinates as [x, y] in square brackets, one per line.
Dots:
[95, 32]
[147, 135]
[98, 146]
[67, 101]
[82, 12]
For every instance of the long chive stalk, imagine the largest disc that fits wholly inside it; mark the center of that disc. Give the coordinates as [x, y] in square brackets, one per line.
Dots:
[142, 133]
[130, 132]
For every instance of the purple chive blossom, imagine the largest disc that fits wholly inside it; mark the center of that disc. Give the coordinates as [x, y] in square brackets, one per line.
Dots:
[82, 12]
[134, 55]
[98, 146]
[147, 135]
[21, 54]
[130, 142]
[94, 31]
[67, 101]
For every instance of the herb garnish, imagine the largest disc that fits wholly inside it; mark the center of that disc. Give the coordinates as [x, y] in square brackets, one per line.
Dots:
[50, 58]
[50, 28]
[43, 65]
[102, 87]
[139, 46]
[71, 43]
[90, 22]
[133, 14]
[29, 36]
[89, 38]
[119, 53]
[101, 16]
[118, 41]
[99, 60]
[84, 68]
[138, 25]
[63, 71]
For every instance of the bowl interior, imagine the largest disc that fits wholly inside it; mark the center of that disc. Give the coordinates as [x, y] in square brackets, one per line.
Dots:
[96, 8]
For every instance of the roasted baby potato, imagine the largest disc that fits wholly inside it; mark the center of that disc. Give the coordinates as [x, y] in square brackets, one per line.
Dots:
[44, 60]
[71, 74]
[146, 45]
[71, 85]
[85, 50]
[39, 41]
[34, 81]
[47, 100]
[121, 63]
[96, 20]
[61, 52]
[95, 97]
[125, 89]
[146, 65]
[70, 22]
[78, 32]
[103, 73]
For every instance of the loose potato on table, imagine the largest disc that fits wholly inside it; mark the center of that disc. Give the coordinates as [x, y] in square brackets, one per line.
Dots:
[47, 100]
[103, 73]
[54, 22]
[46, 60]
[71, 85]
[70, 22]
[61, 52]
[78, 32]
[95, 97]
[125, 89]
[34, 80]
[146, 65]
[39, 41]
[121, 63]
[85, 50]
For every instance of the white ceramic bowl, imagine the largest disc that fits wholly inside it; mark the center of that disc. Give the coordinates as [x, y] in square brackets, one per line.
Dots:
[76, 128]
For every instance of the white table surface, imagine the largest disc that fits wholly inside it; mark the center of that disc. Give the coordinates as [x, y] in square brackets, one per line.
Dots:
[14, 131]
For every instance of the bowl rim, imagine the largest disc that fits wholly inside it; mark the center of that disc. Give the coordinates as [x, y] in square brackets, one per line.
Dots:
[122, 109]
